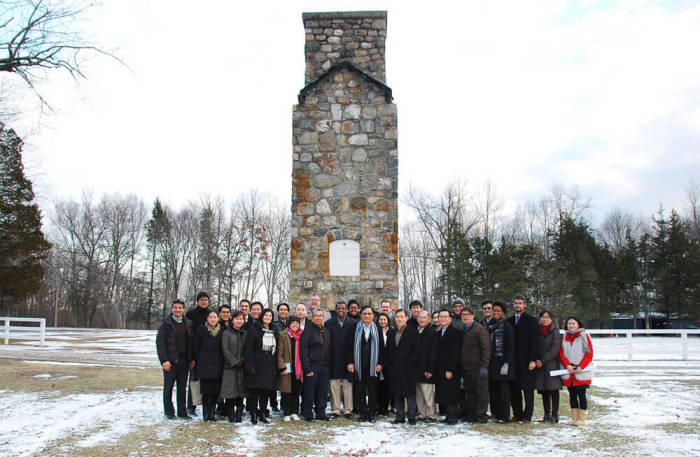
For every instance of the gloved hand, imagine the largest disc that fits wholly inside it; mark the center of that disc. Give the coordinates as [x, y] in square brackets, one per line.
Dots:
[504, 369]
[483, 373]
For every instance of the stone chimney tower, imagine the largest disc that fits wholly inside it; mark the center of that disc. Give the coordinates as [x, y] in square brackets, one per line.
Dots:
[345, 165]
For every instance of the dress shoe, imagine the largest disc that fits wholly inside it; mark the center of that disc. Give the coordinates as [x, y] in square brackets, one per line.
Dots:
[412, 421]
[398, 421]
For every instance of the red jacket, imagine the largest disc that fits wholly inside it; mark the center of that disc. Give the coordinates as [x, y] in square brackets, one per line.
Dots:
[565, 362]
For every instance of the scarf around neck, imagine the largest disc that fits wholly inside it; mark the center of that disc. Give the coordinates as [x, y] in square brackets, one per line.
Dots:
[374, 354]
[545, 329]
[213, 331]
[296, 337]
[497, 330]
[179, 321]
[581, 332]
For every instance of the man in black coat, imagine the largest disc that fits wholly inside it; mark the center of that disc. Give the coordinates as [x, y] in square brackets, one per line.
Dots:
[447, 373]
[174, 346]
[474, 363]
[198, 316]
[340, 327]
[526, 329]
[425, 369]
[315, 349]
[403, 353]
[487, 309]
[415, 306]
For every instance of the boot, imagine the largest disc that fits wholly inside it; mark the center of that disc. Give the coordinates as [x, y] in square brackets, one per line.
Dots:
[574, 416]
[547, 412]
[231, 411]
[212, 410]
[554, 419]
[582, 414]
[263, 418]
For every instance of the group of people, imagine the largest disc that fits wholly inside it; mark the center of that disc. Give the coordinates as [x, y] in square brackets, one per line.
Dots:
[372, 361]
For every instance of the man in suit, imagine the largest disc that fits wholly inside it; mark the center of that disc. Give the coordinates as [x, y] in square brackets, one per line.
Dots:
[365, 357]
[474, 362]
[425, 370]
[315, 348]
[526, 354]
[447, 372]
[487, 309]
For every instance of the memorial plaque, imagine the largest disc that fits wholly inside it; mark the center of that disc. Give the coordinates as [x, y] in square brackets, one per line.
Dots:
[344, 258]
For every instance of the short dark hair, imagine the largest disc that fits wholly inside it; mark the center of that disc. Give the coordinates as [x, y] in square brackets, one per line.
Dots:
[468, 309]
[435, 312]
[352, 301]
[362, 310]
[244, 300]
[385, 300]
[578, 321]
[486, 302]
[202, 294]
[500, 305]
[519, 297]
[341, 303]
[224, 306]
[401, 310]
[384, 315]
[261, 306]
[235, 314]
[444, 311]
[415, 303]
[281, 305]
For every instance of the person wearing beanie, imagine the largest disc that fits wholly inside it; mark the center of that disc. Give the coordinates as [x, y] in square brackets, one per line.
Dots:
[457, 307]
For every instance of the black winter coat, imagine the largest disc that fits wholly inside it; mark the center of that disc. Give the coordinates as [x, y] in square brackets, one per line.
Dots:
[260, 367]
[403, 360]
[497, 362]
[340, 338]
[315, 351]
[526, 348]
[427, 359]
[198, 315]
[166, 341]
[207, 353]
[449, 346]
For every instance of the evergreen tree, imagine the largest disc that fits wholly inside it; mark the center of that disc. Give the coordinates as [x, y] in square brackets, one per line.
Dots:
[156, 231]
[22, 243]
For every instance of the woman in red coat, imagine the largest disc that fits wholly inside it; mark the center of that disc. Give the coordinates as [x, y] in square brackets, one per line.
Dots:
[575, 355]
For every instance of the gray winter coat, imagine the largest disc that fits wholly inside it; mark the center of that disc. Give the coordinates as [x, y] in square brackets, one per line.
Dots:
[232, 345]
[549, 355]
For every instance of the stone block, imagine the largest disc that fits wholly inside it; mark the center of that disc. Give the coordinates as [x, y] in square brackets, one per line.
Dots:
[336, 112]
[308, 138]
[361, 139]
[323, 125]
[322, 207]
[359, 155]
[352, 112]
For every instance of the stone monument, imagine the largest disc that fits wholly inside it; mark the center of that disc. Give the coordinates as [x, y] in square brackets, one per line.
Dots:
[345, 165]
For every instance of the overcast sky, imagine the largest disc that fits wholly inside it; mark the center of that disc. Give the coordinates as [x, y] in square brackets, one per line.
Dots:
[602, 94]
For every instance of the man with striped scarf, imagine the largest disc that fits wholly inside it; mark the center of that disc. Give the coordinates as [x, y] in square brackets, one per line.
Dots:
[366, 360]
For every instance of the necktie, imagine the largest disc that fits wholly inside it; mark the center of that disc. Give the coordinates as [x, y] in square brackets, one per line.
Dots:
[517, 319]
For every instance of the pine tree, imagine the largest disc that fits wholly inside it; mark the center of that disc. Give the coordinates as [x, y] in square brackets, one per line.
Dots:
[156, 231]
[23, 247]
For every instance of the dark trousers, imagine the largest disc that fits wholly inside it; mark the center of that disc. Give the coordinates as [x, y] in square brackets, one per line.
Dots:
[315, 393]
[367, 395]
[550, 402]
[577, 397]
[190, 405]
[177, 374]
[476, 395]
[408, 409]
[500, 399]
[257, 400]
[516, 401]
[383, 397]
[290, 401]
[273, 400]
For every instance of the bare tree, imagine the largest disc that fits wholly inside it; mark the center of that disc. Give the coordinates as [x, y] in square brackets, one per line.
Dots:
[275, 260]
[40, 35]
[618, 227]
[489, 204]
[692, 209]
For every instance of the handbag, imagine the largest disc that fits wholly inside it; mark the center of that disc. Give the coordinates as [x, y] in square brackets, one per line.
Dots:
[195, 388]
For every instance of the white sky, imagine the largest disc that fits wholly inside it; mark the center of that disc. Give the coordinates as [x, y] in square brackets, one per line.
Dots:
[600, 94]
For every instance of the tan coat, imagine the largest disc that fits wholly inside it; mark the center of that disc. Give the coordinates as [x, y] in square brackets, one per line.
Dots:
[284, 356]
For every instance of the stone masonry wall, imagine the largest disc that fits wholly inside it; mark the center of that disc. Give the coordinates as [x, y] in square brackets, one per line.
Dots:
[344, 186]
[355, 37]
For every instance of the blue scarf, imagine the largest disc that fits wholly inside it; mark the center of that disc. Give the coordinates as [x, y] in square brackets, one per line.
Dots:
[374, 354]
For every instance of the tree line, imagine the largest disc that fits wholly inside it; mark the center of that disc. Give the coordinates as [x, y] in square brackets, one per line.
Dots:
[463, 243]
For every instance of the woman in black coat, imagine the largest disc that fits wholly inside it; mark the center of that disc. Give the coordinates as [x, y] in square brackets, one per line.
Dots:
[209, 363]
[403, 360]
[383, 393]
[260, 364]
[502, 363]
[546, 385]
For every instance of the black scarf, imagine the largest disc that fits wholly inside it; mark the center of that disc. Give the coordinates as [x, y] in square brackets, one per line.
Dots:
[497, 329]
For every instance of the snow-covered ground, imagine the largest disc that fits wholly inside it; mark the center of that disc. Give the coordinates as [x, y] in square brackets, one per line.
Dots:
[643, 407]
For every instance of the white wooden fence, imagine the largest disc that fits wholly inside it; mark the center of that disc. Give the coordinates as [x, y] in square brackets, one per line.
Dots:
[629, 333]
[24, 333]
